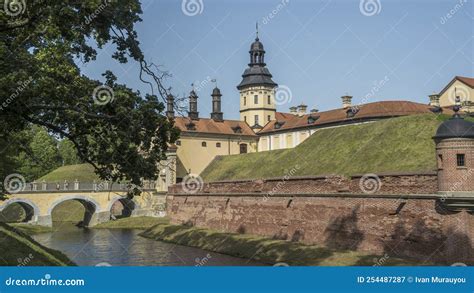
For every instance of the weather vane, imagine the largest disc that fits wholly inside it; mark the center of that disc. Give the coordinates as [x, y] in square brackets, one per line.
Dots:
[256, 28]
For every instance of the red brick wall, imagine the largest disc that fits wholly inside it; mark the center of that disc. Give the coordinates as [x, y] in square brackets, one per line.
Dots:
[417, 227]
[420, 183]
[451, 177]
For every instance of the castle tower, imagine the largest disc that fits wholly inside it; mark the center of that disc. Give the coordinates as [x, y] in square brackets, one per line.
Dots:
[257, 90]
[455, 154]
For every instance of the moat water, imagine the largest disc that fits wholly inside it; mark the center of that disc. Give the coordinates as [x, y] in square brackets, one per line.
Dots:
[124, 247]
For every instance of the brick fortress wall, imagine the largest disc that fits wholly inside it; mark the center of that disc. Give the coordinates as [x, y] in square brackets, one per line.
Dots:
[332, 211]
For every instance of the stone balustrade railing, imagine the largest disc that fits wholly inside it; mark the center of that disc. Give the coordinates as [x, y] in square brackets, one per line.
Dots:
[76, 185]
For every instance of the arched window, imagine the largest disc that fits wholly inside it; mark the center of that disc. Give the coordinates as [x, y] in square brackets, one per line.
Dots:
[204, 144]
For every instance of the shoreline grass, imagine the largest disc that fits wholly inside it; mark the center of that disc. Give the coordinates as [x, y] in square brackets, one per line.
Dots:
[31, 229]
[19, 249]
[141, 223]
[265, 250]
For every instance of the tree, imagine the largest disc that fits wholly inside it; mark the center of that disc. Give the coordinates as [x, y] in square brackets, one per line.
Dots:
[121, 132]
[68, 153]
[40, 156]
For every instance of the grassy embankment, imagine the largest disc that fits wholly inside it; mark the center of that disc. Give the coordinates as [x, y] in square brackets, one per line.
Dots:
[20, 249]
[263, 249]
[81, 172]
[402, 144]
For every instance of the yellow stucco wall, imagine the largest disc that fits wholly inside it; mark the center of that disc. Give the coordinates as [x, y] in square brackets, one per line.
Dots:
[263, 109]
[195, 158]
[463, 91]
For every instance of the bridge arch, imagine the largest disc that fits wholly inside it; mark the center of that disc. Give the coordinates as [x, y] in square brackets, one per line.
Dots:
[31, 209]
[129, 206]
[91, 207]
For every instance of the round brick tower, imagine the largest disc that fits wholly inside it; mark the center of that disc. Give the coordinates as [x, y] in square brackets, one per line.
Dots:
[455, 154]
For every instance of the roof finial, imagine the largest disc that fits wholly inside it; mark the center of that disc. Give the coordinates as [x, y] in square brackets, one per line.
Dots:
[256, 28]
[214, 81]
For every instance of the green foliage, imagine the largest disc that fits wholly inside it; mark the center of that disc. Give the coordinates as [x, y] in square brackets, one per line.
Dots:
[40, 156]
[118, 130]
[13, 213]
[396, 145]
[68, 153]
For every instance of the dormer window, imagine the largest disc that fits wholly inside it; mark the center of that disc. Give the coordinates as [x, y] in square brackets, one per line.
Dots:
[279, 124]
[312, 119]
[190, 126]
[352, 111]
[237, 129]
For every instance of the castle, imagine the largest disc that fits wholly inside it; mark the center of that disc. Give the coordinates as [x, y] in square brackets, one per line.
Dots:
[262, 128]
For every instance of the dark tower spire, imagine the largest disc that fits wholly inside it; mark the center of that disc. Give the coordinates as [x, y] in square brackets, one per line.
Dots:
[170, 106]
[193, 113]
[256, 74]
[216, 114]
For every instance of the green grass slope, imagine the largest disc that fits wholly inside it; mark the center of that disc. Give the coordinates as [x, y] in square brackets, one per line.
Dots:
[81, 172]
[20, 249]
[263, 249]
[395, 145]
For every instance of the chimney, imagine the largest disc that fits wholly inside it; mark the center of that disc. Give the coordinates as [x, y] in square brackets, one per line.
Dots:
[434, 100]
[216, 114]
[193, 113]
[293, 110]
[302, 109]
[170, 106]
[346, 101]
[314, 110]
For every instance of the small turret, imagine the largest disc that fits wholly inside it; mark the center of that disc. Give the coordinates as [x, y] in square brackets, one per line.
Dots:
[216, 114]
[193, 113]
[170, 106]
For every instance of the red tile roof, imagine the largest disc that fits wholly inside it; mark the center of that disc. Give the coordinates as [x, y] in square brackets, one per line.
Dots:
[206, 125]
[384, 109]
[467, 80]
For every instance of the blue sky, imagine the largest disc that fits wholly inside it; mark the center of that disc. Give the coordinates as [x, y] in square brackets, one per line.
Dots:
[320, 50]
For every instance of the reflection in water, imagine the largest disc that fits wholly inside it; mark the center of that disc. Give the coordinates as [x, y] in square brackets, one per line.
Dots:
[123, 247]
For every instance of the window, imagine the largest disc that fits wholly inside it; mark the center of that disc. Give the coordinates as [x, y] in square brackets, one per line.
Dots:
[460, 160]
[269, 100]
[204, 144]
[256, 119]
[218, 144]
[243, 148]
[245, 118]
[255, 99]
[440, 161]
[268, 118]
[245, 101]
[178, 142]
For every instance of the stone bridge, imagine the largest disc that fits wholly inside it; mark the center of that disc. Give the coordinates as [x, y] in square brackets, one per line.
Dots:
[98, 201]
